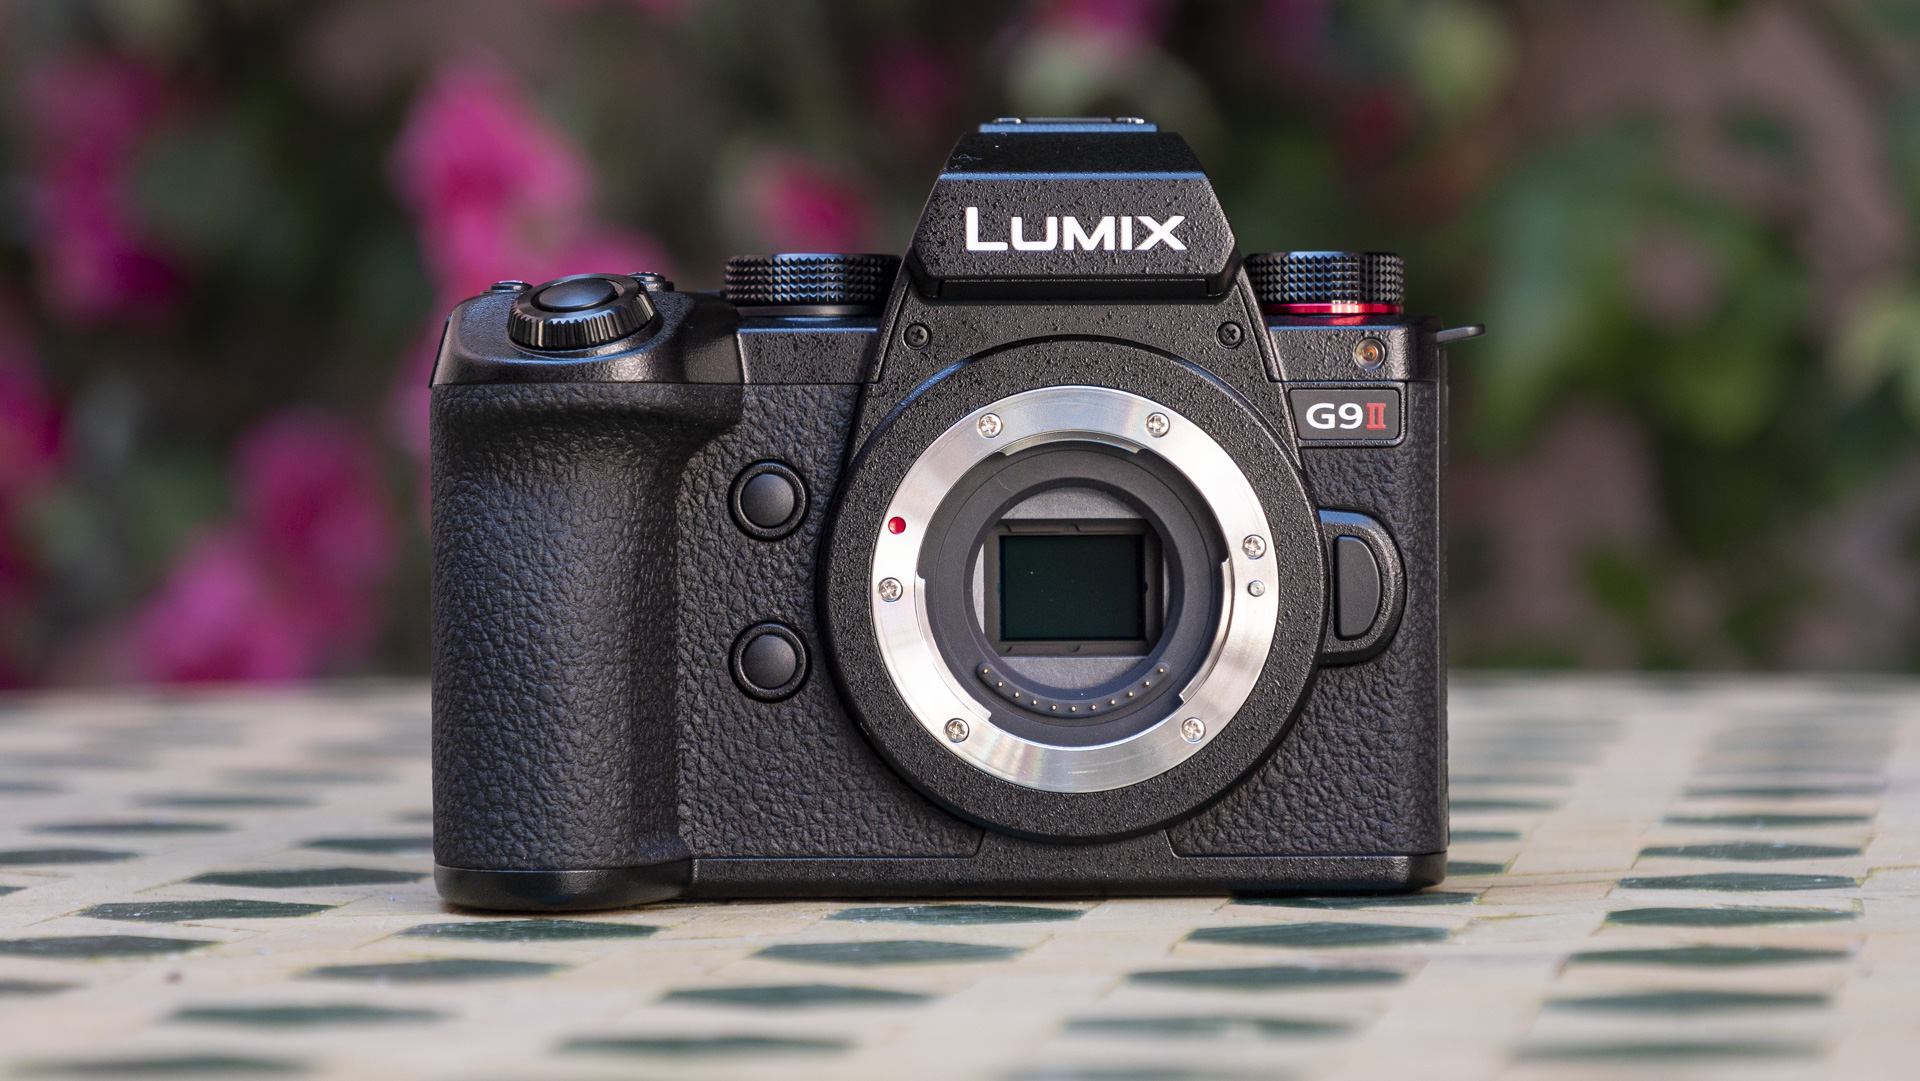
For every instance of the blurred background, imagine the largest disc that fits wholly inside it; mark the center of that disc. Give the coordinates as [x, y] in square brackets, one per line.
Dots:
[230, 229]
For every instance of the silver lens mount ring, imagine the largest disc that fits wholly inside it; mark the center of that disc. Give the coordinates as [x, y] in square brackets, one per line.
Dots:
[937, 696]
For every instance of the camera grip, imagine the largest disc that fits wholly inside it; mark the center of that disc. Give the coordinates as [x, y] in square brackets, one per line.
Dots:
[554, 540]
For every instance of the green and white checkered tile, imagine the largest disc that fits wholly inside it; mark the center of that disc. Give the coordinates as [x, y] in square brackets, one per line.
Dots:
[1671, 878]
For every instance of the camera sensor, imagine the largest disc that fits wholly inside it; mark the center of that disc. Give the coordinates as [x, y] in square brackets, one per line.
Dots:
[1068, 588]
[1088, 587]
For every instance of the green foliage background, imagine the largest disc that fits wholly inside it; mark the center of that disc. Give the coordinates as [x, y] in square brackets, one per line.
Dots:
[1689, 439]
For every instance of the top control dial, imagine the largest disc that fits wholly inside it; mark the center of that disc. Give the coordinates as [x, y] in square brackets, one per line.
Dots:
[579, 312]
[1329, 282]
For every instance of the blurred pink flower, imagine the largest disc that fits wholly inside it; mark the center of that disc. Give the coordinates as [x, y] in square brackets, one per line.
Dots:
[29, 459]
[1130, 24]
[666, 9]
[489, 181]
[499, 193]
[19, 584]
[798, 205]
[29, 420]
[914, 86]
[1299, 29]
[311, 492]
[1372, 125]
[221, 616]
[84, 118]
[294, 587]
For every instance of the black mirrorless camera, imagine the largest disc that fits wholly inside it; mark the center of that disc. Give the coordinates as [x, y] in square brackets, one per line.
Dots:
[1075, 555]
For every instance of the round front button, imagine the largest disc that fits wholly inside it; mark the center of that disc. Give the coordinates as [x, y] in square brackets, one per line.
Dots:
[769, 661]
[768, 500]
[576, 295]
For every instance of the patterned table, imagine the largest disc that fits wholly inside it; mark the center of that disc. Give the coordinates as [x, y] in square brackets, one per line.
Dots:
[1674, 878]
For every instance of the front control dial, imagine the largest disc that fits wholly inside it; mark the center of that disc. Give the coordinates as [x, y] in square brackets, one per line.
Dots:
[1328, 282]
[810, 283]
[579, 312]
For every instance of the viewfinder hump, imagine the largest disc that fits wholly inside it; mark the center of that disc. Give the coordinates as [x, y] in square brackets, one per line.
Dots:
[1072, 207]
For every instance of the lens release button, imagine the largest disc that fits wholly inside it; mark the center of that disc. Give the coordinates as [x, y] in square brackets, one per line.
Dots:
[1356, 587]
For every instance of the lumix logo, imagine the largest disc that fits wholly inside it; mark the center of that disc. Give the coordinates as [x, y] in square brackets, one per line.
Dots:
[1066, 233]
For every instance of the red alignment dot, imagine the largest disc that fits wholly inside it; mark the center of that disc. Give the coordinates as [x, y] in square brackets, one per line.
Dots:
[896, 525]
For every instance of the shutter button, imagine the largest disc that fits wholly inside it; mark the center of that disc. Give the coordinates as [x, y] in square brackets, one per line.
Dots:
[585, 311]
[576, 295]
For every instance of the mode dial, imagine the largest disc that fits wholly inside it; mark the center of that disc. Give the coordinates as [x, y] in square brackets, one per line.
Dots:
[1329, 282]
[804, 283]
[579, 312]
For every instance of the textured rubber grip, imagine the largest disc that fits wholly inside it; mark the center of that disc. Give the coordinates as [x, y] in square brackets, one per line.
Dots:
[554, 546]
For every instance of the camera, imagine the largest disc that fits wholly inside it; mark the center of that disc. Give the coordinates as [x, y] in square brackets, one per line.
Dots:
[1073, 554]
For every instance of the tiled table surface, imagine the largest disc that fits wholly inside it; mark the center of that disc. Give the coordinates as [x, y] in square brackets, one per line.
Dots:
[1715, 878]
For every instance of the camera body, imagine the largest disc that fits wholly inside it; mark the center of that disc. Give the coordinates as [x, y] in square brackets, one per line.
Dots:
[1075, 555]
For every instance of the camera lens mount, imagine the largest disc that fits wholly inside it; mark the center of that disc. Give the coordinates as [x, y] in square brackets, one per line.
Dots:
[1210, 687]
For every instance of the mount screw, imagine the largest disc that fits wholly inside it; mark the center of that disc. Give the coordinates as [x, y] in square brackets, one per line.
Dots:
[1157, 424]
[890, 589]
[1255, 546]
[989, 425]
[1193, 730]
[1231, 335]
[917, 336]
[957, 730]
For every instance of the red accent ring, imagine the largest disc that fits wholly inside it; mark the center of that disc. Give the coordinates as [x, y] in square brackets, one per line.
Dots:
[1338, 307]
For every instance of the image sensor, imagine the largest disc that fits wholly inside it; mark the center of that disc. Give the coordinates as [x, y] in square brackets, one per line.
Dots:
[1071, 587]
